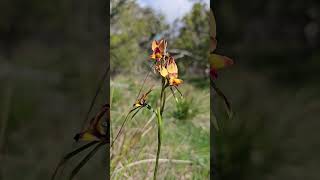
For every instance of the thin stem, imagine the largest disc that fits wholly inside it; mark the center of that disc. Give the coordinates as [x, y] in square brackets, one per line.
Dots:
[98, 90]
[123, 123]
[213, 134]
[144, 81]
[162, 96]
[159, 118]
[161, 93]
[159, 123]
[175, 98]
[163, 102]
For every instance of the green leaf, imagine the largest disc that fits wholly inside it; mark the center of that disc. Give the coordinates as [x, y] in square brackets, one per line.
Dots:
[70, 155]
[225, 100]
[84, 161]
[214, 121]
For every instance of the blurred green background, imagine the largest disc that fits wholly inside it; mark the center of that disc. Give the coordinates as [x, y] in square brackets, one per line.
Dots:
[52, 55]
[273, 87]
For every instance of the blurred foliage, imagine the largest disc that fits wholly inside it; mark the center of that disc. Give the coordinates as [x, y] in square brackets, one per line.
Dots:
[132, 30]
[272, 87]
[185, 109]
[279, 39]
[52, 54]
[186, 139]
[193, 38]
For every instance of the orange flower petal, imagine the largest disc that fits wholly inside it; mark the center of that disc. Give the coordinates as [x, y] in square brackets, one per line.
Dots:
[154, 45]
[175, 81]
[153, 56]
[162, 45]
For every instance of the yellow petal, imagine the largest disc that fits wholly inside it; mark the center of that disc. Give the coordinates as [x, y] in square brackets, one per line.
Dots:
[137, 105]
[172, 67]
[163, 71]
[217, 61]
[158, 56]
[86, 136]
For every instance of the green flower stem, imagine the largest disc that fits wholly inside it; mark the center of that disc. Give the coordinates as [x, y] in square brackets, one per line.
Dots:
[163, 103]
[159, 123]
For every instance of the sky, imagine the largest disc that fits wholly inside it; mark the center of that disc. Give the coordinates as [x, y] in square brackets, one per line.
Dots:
[171, 9]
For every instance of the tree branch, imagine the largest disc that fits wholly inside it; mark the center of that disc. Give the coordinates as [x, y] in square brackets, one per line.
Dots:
[179, 53]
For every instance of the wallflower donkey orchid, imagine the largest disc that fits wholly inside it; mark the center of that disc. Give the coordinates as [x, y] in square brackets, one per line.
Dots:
[159, 49]
[166, 66]
[95, 134]
[142, 101]
[217, 62]
[170, 71]
[137, 106]
[96, 130]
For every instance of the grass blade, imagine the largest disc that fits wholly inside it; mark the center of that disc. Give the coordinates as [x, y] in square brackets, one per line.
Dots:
[85, 160]
[70, 155]
[225, 99]
[100, 85]
[178, 91]
[174, 95]
[122, 125]
[144, 81]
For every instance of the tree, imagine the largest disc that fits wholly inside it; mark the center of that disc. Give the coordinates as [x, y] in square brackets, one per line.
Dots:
[192, 42]
[132, 30]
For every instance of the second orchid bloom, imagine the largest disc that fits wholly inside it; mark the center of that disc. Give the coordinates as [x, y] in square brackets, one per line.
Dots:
[165, 64]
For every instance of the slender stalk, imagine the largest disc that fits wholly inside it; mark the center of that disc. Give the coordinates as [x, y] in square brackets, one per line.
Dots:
[124, 122]
[162, 96]
[213, 134]
[163, 103]
[159, 123]
[159, 119]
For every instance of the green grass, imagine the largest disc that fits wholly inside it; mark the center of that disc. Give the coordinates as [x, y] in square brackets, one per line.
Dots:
[186, 134]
